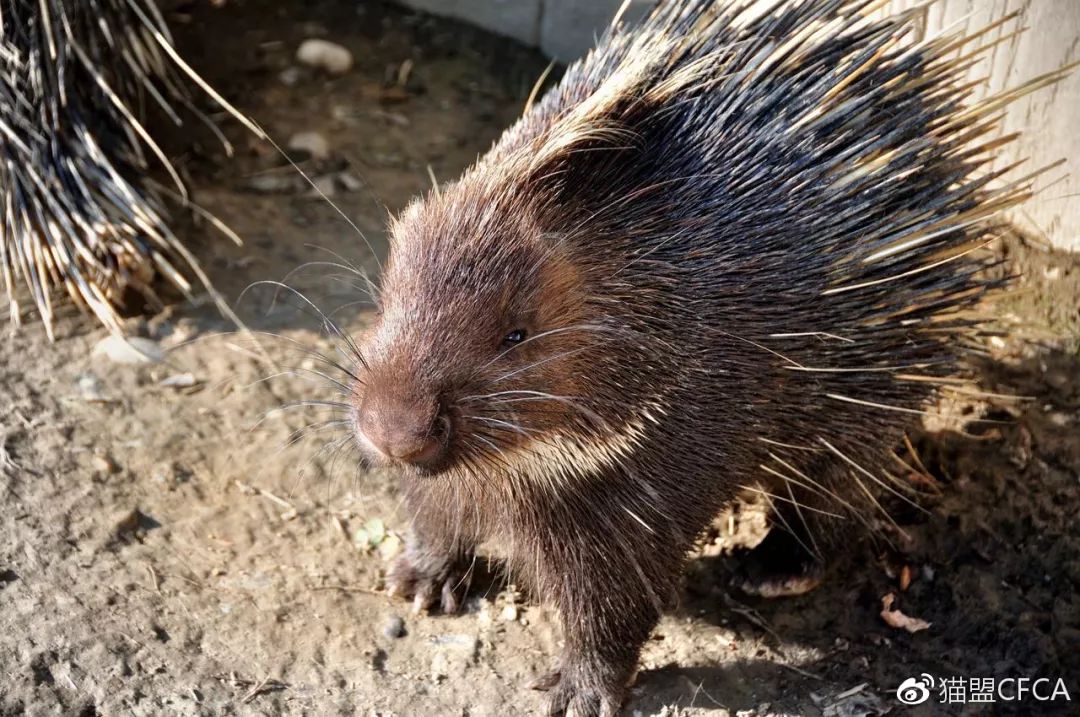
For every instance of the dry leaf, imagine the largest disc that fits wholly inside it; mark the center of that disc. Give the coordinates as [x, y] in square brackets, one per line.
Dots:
[897, 619]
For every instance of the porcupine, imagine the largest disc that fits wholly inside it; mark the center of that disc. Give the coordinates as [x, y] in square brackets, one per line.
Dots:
[731, 247]
[80, 213]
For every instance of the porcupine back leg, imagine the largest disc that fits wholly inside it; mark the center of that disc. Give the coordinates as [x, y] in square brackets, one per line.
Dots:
[806, 525]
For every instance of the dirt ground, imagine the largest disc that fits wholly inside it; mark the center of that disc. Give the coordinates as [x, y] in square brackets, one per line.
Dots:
[181, 549]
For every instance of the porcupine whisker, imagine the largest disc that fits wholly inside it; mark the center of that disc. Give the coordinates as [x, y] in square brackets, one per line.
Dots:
[328, 324]
[313, 402]
[499, 422]
[342, 446]
[286, 445]
[535, 364]
[351, 283]
[304, 373]
[331, 451]
[499, 398]
[570, 402]
[369, 288]
[493, 446]
[373, 288]
[305, 350]
[525, 395]
[350, 269]
[312, 428]
[350, 305]
[307, 403]
[543, 334]
[325, 198]
[577, 407]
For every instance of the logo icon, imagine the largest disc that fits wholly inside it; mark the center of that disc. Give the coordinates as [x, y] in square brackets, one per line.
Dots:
[915, 691]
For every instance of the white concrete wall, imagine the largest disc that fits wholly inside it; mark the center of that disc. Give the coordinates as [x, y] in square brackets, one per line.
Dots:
[562, 29]
[1050, 119]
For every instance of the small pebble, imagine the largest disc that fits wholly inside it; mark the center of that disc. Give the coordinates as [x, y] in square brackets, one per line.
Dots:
[483, 612]
[324, 186]
[274, 183]
[325, 55]
[458, 643]
[131, 351]
[1057, 379]
[167, 474]
[349, 182]
[180, 380]
[90, 388]
[312, 144]
[394, 627]
[440, 667]
[290, 76]
[104, 463]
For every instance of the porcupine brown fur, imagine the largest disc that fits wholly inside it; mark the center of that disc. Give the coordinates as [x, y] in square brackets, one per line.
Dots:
[732, 247]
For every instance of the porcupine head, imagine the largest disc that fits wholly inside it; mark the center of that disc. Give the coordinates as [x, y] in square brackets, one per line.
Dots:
[699, 260]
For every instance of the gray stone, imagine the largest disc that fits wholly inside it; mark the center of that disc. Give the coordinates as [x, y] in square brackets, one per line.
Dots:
[519, 19]
[394, 627]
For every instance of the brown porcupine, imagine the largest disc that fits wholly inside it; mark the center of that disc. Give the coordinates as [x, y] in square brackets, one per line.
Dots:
[733, 246]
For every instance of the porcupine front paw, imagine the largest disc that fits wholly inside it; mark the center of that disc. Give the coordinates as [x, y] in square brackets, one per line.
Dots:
[580, 693]
[428, 577]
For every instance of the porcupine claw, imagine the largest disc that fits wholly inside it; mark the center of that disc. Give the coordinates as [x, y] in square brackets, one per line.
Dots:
[581, 697]
[778, 567]
[427, 581]
[568, 700]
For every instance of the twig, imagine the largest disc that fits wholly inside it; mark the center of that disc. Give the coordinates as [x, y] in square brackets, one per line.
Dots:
[255, 691]
[350, 589]
[801, 671]
[290, 511]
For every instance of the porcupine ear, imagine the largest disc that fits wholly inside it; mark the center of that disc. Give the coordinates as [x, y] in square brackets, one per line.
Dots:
[681, 47]
[609, 92]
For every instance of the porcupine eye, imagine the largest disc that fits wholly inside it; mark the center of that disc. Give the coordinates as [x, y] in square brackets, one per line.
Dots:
[514, 338]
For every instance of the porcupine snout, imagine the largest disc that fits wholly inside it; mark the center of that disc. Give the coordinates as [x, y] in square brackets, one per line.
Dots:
[404, 428]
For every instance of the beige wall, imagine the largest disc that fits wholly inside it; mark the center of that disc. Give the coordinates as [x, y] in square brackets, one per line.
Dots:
[1050, 119]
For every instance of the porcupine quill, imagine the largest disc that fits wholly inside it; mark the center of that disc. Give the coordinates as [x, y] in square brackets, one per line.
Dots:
[78, 214]
[738, 245]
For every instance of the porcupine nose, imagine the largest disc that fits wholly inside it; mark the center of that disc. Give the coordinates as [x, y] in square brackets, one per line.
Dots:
[407, 432]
